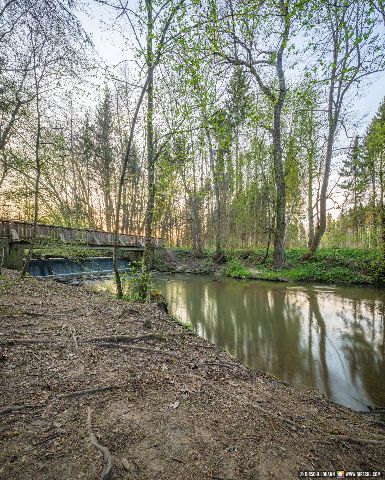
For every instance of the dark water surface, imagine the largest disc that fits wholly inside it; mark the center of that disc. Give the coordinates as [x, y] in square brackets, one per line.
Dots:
[330, 338]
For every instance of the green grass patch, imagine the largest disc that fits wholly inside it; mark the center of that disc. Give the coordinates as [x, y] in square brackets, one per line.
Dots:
[347, 266]
[235, 269]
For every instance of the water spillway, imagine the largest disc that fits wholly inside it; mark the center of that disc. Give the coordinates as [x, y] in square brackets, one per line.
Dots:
[64, 267]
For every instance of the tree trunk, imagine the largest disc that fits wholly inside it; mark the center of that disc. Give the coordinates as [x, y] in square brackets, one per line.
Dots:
[279, 173]
[217, 194]
[149, 248]
[310, 214]
[38, 173]
[321, 226]
[382, 226]
[119, 289]
[280, 211]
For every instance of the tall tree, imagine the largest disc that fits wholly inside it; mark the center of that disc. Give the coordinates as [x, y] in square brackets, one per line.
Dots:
[244, 51]
[104, 154]
[349, 53]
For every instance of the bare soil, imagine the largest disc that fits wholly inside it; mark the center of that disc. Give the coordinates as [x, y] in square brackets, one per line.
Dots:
[163, 402]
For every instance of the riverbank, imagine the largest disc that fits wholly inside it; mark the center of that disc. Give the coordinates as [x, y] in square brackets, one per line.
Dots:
[164, 402]
[329, 266]
[338, 266]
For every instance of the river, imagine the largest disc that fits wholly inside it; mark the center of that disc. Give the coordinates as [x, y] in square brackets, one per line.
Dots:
[329, 338]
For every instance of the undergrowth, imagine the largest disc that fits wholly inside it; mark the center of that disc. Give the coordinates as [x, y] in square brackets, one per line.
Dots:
[137, 285]
[333, 266]
[235, 269]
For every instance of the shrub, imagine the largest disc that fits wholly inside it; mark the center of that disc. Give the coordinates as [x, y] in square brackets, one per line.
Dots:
[137, 287]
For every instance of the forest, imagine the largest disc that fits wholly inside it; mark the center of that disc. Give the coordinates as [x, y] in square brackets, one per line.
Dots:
[192, 239]
[214, 124]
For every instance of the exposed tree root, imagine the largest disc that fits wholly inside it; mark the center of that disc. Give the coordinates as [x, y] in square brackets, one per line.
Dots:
[124, 338]
[373, 411]
[87, 391]
[134, 347]
[255, 406]
[341, 438]
[18, 408]
[359, 441]
[9, 342]
[107, 459]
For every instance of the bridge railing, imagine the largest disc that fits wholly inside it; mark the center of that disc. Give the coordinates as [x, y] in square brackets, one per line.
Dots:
[23, 231]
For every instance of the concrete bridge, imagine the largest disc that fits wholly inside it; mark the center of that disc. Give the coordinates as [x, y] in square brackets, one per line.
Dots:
[16, 235]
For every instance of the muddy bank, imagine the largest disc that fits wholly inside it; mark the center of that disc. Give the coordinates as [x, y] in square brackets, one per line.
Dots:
[165, 403]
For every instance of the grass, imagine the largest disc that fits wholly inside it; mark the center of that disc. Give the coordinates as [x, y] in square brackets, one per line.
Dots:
[347, 266]
[187, 326]
[235, 269]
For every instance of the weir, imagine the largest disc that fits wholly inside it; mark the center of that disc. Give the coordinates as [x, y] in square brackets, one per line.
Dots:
[67, 268]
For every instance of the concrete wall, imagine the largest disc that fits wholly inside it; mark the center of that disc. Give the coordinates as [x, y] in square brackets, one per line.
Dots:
[13, 255]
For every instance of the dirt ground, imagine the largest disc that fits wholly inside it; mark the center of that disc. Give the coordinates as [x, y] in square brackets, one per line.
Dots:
[163, 402]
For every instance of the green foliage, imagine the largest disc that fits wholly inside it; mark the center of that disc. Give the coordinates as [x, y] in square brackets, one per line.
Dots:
[6, 284]
[137, 285]
[69, 251]
[235, 269]
[347, 266]
[317, 272]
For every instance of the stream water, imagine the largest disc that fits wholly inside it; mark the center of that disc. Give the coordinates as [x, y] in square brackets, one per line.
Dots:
[330, 338]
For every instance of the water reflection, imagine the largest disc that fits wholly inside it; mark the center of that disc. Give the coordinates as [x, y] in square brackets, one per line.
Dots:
[329, 338]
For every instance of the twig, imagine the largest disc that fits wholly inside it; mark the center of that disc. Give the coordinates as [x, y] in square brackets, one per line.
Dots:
[73, 331]
[34, 314]
[45, 440]
[107, 459]
[225, 365]
[177, 460]
[216, 477]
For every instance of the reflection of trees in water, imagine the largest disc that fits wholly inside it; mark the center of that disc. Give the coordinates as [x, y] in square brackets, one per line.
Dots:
[364, 346]
[285, 332]
[315, 310]
[261, 326]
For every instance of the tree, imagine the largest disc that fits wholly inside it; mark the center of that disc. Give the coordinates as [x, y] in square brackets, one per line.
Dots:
[244, 52]
[104, 154]
[374, 143]
[158, 25]
[349, 52]
[353, 185]
[53, 57]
